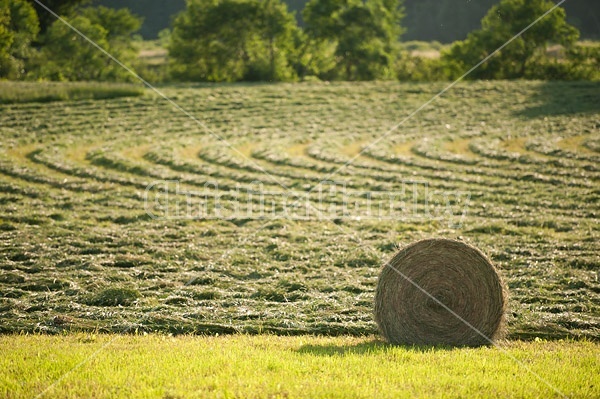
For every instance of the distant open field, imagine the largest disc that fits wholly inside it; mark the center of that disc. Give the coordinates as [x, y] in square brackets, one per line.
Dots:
[511, 167]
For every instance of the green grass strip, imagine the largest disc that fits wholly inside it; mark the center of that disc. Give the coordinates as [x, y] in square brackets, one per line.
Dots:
[25, 92]
[159, 366]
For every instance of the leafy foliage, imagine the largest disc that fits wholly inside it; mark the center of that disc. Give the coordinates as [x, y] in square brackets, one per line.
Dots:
[230, 40]
[259, 40]
[419, 69]
[19, 26]
[120, 24]
[578, 62]
[501, 23]
[61, 7]
[68, 56]
[311, 57]
[365, 35]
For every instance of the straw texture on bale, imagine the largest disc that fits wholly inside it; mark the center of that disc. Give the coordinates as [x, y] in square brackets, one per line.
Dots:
[459, 277]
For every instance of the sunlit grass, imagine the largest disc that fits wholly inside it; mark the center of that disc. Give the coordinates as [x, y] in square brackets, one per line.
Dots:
[84, 365]
[575, 143]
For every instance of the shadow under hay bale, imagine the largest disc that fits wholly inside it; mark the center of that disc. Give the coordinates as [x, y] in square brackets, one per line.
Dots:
[440, 292]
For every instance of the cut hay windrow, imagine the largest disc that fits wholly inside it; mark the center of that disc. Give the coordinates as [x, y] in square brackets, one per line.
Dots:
[440, 292]
[220, 258]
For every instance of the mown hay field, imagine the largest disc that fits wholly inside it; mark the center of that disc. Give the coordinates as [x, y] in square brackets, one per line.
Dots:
[126, 215]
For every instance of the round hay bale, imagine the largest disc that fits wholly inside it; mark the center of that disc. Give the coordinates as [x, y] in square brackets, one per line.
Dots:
[440, 292]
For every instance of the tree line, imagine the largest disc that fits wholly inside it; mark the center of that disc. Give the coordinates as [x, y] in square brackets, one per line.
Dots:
[34, 45]
[261, 40]
[444, 21]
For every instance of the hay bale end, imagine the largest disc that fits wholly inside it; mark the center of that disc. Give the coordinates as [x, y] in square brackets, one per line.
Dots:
[440, 292]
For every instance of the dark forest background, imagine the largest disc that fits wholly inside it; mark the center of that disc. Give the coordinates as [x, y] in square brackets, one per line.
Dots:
[442, 20]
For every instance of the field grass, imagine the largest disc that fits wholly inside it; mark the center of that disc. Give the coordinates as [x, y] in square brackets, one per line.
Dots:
[434, 49]
[25, 92]
[159, 366]
[511, 167]
[152, 52]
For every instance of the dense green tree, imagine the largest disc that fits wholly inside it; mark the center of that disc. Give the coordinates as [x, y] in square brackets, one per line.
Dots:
[7, 37]
[365, 35]
[501, 23]
[120, 24]
[18, 28]
[276, 25]
[67, 56]
[230, 40]
[311, 57]
[579, 62]
[60, 7]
